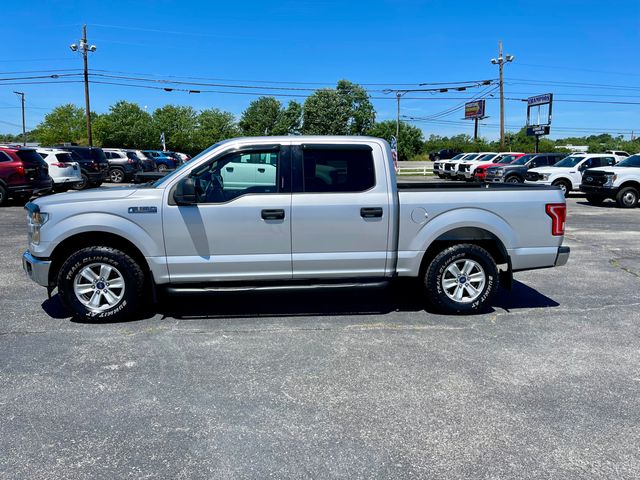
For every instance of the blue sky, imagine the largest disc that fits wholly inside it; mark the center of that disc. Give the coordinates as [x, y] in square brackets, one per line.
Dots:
[556, 45]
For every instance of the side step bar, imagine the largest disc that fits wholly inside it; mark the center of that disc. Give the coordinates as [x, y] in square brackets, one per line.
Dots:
[199, 290]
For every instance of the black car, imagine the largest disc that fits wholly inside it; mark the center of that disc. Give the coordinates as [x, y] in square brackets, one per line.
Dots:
[515, 171]
[444, 154]
[93, 163]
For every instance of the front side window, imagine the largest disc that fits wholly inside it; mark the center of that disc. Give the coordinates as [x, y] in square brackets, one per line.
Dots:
[237, 174]
[569, 162]
[338, 170]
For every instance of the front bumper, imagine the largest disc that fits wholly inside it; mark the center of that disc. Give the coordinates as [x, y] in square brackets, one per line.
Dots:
[37, 269]
[563, 256]
[606, 192]
[492, 179]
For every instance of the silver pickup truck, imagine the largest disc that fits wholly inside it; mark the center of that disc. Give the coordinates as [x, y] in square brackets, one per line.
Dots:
[305, 211]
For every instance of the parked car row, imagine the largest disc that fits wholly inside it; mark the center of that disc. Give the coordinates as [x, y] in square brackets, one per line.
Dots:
[613, 174]
[33, 171]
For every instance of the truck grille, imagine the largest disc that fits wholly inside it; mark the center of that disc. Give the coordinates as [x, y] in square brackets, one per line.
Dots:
[594, 178]
[448, 166]
[533, 176]
[464, 168]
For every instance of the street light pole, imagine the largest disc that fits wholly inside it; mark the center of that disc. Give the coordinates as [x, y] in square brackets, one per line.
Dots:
[24, 131]
[85, 48]
[500, 61]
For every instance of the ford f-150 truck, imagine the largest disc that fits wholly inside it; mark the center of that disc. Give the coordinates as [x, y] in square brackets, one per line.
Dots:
[318, 211]
[620, 183]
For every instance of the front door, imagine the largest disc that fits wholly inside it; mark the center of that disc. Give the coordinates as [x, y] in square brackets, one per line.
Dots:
[240, 226]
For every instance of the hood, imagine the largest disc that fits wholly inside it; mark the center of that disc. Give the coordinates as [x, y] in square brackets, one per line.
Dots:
[614, 169]
[90, 195]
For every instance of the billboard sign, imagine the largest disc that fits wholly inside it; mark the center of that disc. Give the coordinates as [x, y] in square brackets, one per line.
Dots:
[539, 99]
[474, 109]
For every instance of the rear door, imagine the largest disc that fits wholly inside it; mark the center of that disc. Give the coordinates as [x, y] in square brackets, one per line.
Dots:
[339, 212]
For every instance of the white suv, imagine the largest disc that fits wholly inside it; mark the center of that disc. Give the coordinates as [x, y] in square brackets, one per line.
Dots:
[567, 173]
[64, 172]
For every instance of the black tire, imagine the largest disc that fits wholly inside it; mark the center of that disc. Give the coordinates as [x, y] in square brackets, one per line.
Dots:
[3, 195]
[595, 199]
[116, 175]
[162, 168]
[484, 266]
[124, 270]
[83, 184]
[564, 186]
[627, 197]
[513, 179]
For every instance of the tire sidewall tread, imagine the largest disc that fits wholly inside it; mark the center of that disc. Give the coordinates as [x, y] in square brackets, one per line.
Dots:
[132, 273]
[433, 275]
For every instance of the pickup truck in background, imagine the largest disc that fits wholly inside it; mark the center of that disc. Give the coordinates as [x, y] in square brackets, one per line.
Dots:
[620, 183]
[325, 211]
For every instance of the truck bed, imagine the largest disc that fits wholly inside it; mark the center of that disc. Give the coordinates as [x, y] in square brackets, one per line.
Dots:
[429, 186]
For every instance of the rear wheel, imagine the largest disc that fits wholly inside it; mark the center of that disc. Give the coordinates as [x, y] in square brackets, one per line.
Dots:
[461, 279]
[162, 168]
[116, 175]
[101, 283]
[627, 197]
[3, 195]
[595, 199]
[82, 184]
[564, 186]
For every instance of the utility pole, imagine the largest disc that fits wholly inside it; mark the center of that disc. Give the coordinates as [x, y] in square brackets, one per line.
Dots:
[24, 131]
[398, 95]
[85, 48]
[500, 61]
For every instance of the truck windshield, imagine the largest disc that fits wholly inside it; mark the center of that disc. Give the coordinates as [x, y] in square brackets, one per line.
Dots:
[458, 157]
[569, 162]
[632, 161]
[486, 158]
[471, 156]
[522, 160]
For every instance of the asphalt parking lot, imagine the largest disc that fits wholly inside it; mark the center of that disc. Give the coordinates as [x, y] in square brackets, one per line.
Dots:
[335, 384]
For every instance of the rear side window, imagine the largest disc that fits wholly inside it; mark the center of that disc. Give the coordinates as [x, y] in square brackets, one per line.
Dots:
[4, 157]
[338, 170]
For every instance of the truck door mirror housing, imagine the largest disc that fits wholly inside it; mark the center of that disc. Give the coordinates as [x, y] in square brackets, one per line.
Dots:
[185, 193]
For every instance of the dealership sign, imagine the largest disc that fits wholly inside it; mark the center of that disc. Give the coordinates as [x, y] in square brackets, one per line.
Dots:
[540, 99]
[474, 109]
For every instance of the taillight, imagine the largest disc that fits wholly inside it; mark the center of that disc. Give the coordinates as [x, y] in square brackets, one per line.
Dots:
[60, 165]
[558, 214]
[130, 160]
[20, 170]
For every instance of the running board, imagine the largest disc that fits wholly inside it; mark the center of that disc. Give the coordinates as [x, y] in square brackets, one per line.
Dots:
[198, 290]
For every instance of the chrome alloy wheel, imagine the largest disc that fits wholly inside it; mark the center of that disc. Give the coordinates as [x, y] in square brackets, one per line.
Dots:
[463, 280]
[99, 286]
[629, 198]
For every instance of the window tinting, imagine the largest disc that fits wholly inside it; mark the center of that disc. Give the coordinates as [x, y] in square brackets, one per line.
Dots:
[64, 157]
[336, 170]
[4, 157]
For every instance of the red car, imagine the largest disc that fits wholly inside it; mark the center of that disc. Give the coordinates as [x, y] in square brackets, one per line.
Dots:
[23, 173]
[481, 170]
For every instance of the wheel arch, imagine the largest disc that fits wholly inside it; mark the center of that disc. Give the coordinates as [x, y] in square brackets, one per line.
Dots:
[630, 183]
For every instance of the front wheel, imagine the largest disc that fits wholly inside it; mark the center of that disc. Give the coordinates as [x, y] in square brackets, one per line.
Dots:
[101, 283]
[564, 187]
[162, 168]
[512, 179]
[627, 197]
[461, 279]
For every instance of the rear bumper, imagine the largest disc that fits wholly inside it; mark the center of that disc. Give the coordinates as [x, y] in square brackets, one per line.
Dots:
[36, 269]
[563, 256]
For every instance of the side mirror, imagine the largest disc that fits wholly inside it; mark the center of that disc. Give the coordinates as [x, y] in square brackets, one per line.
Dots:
[185, 193]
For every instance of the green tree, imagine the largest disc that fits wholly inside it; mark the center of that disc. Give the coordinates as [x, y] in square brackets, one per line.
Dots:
[267, 116]
[66, 123]
[126, 126]
[179, 125]
[410, 140]
[347, 110]
[213, 126]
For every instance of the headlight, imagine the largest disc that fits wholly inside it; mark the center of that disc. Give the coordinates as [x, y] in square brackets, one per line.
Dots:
[498, 171]
[545, 176]
[35, 220]
[611, 177]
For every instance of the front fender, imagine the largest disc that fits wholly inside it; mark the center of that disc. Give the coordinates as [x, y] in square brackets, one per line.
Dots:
[149, 243]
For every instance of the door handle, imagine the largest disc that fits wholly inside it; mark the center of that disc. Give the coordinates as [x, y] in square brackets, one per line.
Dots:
[229, 169]
[276, 214]
[374, 212]
[261, 170]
